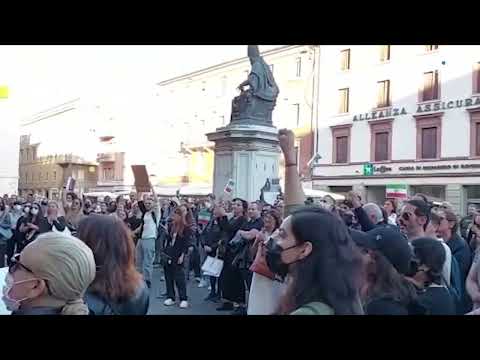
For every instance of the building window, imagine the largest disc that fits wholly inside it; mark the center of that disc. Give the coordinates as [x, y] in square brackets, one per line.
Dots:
[474, 133]
[384, 53]
[383, 93]
[344, 100]
[429, 135]
[476, 78]
[54, 175]
[271, 67]
[46, 175]
[429, 48]
[222, 120]
[296, 109]
[431, 86]
[345, 59]
[299, 66]
[341, 144]
[381, 140]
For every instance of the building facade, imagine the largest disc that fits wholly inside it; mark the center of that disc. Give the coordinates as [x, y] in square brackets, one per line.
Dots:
[47, 175]
[198, 103]
[412, 112]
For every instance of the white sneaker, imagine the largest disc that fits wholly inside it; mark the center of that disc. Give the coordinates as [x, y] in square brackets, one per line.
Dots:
[209, 288]
[184, 304]
[202, 284]
[169, 302]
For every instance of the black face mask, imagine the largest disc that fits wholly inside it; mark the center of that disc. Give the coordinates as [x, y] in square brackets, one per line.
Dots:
[275, 262]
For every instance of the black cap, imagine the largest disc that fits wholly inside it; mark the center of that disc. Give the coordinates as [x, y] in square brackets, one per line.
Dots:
[393, 245]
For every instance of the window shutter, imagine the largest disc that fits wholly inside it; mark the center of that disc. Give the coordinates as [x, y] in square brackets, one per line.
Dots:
[429, 143]
[342, 149]
[477, 136]
[381, 146]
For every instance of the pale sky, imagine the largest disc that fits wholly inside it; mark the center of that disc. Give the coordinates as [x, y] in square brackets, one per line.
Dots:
[122, 79]
[40, 77]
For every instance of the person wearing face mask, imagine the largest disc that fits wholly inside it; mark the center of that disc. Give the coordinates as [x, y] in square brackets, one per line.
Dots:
[31, 225]
[305, 257]
[50, 277]
[5, 231]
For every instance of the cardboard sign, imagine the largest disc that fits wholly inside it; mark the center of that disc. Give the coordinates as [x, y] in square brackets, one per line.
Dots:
[142, 181]
[70, 184]
[229, 187]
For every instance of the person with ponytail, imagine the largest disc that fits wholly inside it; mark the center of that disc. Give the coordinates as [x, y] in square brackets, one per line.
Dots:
[50, 277]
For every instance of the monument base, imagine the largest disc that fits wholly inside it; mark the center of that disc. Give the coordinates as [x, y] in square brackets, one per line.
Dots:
[246, 153]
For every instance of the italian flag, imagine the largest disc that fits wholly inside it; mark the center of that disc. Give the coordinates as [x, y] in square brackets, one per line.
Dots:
[397, 191]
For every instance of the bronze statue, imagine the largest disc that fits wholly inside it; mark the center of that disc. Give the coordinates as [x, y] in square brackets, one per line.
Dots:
[256, 103]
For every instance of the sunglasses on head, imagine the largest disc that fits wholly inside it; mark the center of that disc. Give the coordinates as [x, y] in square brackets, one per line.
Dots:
[15, 264]
[406, 216]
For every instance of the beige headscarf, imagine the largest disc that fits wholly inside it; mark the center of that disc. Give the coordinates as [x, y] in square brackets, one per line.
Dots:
[68, 266]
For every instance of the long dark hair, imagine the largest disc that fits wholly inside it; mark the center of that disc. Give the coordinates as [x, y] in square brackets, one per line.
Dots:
[330, 274]
[117, 279]
[387, 282]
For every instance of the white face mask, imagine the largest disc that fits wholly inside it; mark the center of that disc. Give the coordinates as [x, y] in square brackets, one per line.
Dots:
[12, 304]
[26, 210]
[18, 207]
[34, 211]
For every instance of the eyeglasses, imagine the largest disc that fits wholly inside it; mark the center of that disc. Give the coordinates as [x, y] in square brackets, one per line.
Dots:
[16, 264]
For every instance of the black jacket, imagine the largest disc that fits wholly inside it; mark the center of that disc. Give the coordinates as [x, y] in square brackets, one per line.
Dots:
[59, 224]
[137, 305]
[211, 235]
[180, 246]
[462, 253]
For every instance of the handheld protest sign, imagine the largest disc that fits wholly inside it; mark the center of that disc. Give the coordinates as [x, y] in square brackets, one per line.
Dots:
[229, 187]
[142, 182]
[70, 186]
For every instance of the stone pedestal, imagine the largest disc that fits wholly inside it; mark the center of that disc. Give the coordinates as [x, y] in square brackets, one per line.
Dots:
[248, 153]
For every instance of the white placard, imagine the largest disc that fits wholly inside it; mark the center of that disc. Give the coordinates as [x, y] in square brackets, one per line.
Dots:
[3, 274]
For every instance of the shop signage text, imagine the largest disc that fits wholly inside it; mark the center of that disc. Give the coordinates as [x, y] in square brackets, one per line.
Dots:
[436, 106]
[439, 167]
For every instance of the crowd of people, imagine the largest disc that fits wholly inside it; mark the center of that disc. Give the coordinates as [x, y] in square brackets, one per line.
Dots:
[78, 256]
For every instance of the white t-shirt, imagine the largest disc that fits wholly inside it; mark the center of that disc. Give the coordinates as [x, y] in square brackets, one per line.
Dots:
[149, 226]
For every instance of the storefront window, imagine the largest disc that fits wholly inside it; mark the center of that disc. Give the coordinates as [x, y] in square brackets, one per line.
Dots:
[433, 192]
